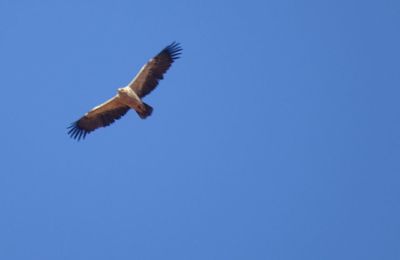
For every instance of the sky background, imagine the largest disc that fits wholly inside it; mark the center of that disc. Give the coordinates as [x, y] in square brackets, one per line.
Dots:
[275, 136]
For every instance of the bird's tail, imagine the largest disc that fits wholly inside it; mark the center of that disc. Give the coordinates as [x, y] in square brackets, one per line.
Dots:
[145, 111]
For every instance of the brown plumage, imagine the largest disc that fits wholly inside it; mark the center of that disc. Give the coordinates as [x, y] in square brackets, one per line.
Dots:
[128, 97]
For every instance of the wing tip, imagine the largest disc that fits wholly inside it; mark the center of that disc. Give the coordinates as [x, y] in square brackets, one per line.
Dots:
[174, 50]
[76, 132]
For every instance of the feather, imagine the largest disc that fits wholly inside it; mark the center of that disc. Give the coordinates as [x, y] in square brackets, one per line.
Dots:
[152, 72]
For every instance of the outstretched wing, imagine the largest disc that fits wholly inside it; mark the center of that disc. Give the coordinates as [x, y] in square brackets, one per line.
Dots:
[149, 75]
[100, 116]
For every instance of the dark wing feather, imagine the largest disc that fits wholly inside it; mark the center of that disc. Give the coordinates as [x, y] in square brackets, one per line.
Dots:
[152, 72]
[99, 116]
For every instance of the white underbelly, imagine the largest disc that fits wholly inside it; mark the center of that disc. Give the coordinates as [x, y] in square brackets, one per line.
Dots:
[129, 98]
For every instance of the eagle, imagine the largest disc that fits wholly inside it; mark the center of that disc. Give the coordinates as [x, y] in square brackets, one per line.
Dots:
[128, 97]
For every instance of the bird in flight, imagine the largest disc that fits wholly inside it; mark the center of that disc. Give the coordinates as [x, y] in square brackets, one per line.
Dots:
[129, 97]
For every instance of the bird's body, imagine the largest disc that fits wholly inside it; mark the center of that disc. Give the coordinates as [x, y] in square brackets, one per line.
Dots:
[129, 97]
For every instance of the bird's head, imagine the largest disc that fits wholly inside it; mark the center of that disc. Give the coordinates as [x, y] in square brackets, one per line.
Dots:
[122, 91]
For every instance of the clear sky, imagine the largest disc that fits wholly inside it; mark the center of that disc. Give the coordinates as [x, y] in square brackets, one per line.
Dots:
[275, 136]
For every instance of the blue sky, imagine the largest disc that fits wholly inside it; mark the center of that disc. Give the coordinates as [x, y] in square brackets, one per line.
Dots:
[276, 136]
